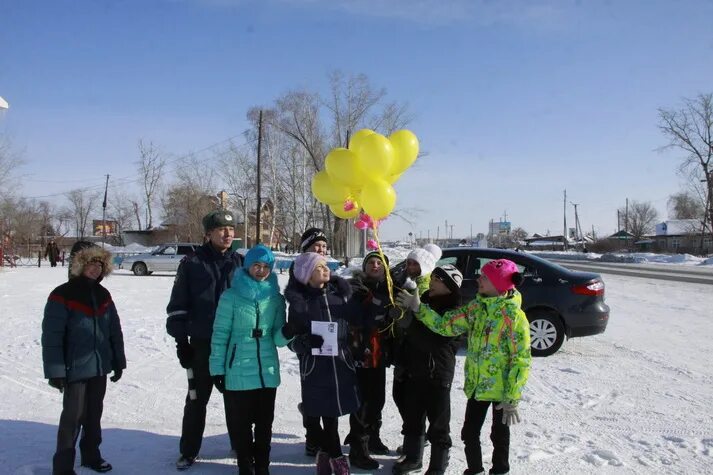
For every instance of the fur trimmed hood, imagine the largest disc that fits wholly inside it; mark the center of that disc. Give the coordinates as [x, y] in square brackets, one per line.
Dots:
[84, 256]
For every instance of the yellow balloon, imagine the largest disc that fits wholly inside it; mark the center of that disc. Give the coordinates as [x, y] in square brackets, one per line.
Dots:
[337, 210]
[356, 140]
[378, 198]
[393, 178]
[344, 166]
[326, 190]
[406, 150]
[377, 156]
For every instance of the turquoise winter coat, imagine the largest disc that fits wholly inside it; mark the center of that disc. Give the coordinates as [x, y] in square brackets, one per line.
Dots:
[246, 333]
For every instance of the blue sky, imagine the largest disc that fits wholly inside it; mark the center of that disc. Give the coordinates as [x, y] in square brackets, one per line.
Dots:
[513, 101]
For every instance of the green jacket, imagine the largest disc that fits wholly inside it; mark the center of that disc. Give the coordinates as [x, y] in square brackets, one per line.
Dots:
[498, 360]
[246, 333]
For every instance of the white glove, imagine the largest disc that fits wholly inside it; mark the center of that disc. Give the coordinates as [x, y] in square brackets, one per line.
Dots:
[408, 301]
[510, 414]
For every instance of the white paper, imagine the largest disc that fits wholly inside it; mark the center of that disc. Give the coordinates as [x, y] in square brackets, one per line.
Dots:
[328, 331]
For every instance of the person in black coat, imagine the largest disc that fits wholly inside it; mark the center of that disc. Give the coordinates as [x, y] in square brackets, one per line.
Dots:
[312, 240]
[200, 280]
[52, 252]
[328, 376]
[428, 361]
[82, 342]
[372, 348]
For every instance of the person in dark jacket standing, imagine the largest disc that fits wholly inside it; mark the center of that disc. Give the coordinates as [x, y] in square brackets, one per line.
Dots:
[249, 326]
[52, 253]
[329, 388]
[82, 342]
[429, 361]
[371, 345]
[312, 240]
[200, 279]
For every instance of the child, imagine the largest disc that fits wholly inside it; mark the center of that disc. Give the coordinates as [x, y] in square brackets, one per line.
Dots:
[329, 387]
[498, 359]
[371, 345]
[249, 326]
[429, 365]
[81, 343]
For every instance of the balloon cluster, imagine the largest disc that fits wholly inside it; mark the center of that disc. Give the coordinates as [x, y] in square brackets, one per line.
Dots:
[357, 181]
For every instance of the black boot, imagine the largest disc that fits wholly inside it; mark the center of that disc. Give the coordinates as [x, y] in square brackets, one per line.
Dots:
[376, 446]
[439, 461]
[413, 455]
[245, 466]
[359, 453]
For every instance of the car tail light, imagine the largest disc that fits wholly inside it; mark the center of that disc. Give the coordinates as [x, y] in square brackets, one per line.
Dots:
[595, 288]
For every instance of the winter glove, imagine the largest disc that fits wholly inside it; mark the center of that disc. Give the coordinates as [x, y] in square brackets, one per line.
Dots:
[510, 414]
[117, 375]
[58, 383]
[315, 341]
[358, 287]
[289, 330]
[184, 350]
[219, 382]
[408, 301]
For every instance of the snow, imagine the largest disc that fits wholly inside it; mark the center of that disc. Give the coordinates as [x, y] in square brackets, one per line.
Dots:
[628, 257]
[635, 399]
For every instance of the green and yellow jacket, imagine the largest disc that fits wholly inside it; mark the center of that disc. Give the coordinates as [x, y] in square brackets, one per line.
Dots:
[498, 360]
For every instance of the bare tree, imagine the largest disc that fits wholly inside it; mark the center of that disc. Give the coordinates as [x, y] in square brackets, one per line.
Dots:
[81, 205]
[189, 198]
[685, 205]
[690, 130]
[642, 218]
[10, 161]
[151, 167]
[121, 210]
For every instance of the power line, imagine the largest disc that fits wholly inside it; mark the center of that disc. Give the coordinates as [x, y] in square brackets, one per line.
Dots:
[136, 178]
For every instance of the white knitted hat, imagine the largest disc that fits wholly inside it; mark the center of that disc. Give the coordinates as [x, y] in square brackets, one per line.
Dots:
[426, 257]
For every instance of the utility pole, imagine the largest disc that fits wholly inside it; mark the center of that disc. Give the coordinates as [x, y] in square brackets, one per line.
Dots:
[259, 148]
[564, 232]
[577, 229]
[106, 190]
[451, 236]
[626, 216]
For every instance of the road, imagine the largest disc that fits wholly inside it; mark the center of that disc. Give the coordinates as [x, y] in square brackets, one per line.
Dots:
[677, 273]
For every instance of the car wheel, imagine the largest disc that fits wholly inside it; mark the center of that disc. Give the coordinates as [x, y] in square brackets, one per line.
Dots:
[140, 269]
[546, 333]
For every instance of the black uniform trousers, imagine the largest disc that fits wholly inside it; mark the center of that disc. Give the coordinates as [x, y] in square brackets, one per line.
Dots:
[475, 413]
[255, 406]
[194, 411]
[432, 400]
[82, 407]
[372, 390]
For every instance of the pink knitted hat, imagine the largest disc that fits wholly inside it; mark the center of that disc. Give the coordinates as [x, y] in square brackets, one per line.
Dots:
[500, 273]
[305, 265]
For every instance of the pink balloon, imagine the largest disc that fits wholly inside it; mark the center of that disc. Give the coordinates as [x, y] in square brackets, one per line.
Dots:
[371, 244]
[349, 205]
[360, 225]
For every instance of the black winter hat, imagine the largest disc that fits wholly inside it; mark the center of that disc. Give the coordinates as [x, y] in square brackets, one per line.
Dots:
[311, 236]
[217, 219]
[374, 254]
[449, 275]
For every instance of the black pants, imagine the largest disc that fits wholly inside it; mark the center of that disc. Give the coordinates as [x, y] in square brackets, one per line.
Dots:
[194, 411]
[398, 390]
[475, 413]
[82, 407]
[253, 407]
[329, 436]
[313, 430]
[432, 400]
[372, 389]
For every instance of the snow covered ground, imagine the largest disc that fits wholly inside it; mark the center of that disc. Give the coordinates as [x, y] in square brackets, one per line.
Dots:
[636, 399]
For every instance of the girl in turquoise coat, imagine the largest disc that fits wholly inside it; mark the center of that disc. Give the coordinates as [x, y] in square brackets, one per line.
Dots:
[249, 326]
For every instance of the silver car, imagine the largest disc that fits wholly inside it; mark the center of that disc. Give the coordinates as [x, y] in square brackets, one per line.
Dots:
[164, 259]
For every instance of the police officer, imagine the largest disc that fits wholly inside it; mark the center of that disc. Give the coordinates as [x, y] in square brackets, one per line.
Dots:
[200, 279]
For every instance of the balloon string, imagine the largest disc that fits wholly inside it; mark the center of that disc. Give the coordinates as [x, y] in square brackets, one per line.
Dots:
[389, 286]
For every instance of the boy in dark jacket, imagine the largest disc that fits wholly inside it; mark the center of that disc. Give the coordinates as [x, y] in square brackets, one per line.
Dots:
[371, 346]
[82, 342]
[429, 364]
[329, 388]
